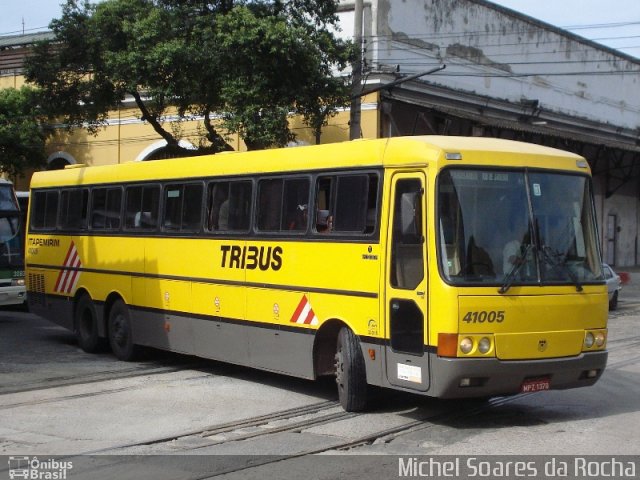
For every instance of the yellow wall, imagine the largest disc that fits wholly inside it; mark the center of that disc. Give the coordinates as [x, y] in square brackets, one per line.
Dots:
[125, 138]
[11, 81]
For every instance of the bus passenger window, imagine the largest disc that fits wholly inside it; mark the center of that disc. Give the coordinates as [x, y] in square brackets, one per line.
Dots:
[183, 207]
[105, 208]
[281, 204]
[350, 201]
[45, 210]
[141, 210]
[73, 211]
[229, 206]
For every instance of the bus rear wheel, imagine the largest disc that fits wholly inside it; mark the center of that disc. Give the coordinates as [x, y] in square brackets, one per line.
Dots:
[86, 325]
[350, 372]
[121, 333]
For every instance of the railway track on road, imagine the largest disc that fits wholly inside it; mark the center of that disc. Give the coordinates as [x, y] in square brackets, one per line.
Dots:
[96, 377]
[295, 420]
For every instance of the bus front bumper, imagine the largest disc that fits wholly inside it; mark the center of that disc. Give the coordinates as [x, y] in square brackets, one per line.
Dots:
[460, 378]
[13, 295]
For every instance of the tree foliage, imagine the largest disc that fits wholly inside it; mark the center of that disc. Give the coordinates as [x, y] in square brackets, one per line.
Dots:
[248, 62]
[22, 139]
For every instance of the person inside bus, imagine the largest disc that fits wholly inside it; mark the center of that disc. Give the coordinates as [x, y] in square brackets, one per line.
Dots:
[223, 216]
[218, 199]
[299, 218]
[324, 221]
[513, 255]
[515, 232]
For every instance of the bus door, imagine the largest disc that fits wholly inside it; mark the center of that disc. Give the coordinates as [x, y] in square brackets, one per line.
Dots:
[406, 284]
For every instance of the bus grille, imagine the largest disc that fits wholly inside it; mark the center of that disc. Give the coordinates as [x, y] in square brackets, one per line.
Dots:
[36, 294]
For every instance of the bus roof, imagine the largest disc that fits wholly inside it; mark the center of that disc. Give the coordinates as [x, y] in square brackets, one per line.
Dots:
[395, 151]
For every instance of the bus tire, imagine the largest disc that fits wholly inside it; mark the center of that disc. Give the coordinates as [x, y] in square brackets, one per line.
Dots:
[121, 333]
[86, 326]
[613, 304]
[350, 372]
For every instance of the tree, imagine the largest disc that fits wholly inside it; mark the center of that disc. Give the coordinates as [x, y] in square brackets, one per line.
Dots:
[22, 139]
[251, 62]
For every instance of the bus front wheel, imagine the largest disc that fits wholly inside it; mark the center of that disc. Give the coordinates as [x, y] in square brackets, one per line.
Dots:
[121, 334]
[86, 325]
[350, 372]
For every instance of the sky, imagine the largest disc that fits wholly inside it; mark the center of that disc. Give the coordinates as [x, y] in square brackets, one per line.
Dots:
[615, 23]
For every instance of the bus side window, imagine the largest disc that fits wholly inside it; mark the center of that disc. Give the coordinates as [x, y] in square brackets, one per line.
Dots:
[183, 207]
[280, 204]
[44, 213]
[350, 200]
[73, 209]
[141, 210]
[105, 208]
[229, 206]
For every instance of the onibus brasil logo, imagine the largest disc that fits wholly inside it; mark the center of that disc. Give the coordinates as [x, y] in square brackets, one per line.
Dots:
[32, 468]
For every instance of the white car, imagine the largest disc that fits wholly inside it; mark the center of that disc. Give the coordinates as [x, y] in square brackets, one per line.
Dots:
[614, 285]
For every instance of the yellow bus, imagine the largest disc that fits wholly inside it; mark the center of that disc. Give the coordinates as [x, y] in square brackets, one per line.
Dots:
[443, 266]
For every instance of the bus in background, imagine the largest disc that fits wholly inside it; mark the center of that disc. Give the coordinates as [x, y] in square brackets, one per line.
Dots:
[23, 203]
[12, 241]
[442, 266]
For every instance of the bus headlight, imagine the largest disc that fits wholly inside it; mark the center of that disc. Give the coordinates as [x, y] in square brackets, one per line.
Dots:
[484, 345]
[17, 282]
[589, 340]
[466, 345]
[600, 339]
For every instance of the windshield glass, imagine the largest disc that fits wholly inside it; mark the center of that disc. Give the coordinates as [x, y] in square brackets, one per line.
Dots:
[11, 242]
[516, 228]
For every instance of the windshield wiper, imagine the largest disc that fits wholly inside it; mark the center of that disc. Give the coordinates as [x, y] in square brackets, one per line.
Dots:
[559, 262]
[517, 266]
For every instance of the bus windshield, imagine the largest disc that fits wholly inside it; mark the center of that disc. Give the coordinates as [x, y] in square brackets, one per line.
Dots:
[508, 227]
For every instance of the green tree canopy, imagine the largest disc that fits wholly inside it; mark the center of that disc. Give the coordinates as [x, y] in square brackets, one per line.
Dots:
[22, 139]
[249, 62]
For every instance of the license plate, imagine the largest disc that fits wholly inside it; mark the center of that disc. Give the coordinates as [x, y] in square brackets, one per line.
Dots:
[537, 385]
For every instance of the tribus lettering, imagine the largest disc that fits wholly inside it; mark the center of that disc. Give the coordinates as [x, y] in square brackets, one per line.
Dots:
[251, 258]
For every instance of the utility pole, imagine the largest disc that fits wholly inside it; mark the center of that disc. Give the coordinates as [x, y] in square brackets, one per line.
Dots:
[356, 72]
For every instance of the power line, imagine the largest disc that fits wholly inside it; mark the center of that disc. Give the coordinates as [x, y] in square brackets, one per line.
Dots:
[599, 25]
[21, 31]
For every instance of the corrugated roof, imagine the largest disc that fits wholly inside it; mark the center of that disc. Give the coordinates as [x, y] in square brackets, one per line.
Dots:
[9, 41]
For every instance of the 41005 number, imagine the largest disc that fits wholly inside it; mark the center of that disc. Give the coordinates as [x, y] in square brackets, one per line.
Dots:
[489, 316]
